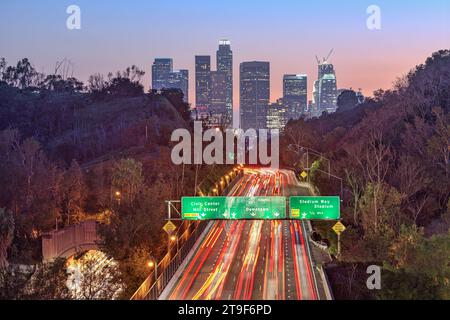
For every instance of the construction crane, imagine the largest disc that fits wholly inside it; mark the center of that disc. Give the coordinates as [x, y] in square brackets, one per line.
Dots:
[325, 60]
[329, 55]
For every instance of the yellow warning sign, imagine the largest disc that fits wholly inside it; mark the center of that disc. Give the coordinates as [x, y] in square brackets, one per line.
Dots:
[169, 227]
[338, 228]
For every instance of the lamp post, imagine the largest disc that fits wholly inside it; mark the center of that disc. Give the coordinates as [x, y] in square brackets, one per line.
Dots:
[174, 238]
[297, 149]
[154, 263]
[118, 195]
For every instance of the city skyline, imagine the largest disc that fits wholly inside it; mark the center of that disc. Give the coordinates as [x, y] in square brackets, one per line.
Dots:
[214, 91]
[290, 41]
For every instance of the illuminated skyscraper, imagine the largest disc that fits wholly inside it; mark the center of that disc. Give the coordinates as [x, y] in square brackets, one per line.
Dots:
[218, 98]
[164, 77]
[225, 64]
[295, 97]
[202, 82]
[161, 69]
[180, 80]
[328, 93]
[326, 87]
[276, 115]
[254, 94]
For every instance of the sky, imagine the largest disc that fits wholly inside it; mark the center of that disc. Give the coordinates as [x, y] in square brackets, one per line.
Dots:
[287, 33]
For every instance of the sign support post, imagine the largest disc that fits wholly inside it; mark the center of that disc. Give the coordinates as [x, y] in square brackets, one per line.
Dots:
[339, 245]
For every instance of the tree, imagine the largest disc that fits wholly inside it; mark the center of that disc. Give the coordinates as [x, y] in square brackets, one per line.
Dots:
[175, 97]
[12, 283]
[347, 100]
[123, 84]
[356, 185]
[57, 83]
[374, 159]
[94, 276]
[96, 83]
[6, 234]
[31, 190]
[74, 191]
[3, 66]
[438, 144]
[48, 282]
[127, 178]
[387, 208]
[23, 75]
[421, 272]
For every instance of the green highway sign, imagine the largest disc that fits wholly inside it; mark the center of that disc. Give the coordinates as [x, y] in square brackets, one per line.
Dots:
[319, 208]
[216, 208]
[202, 208]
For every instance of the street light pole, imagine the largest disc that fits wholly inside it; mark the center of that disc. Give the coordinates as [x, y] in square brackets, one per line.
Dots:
[174, 238]
[315, 152]
[339, 245]
[155, 263]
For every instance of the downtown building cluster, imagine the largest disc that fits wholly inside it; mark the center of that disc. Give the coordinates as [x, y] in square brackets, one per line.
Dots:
[214, 91]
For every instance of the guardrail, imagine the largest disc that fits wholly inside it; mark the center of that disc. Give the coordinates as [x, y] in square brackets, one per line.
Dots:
[324, 278]
[151, 288]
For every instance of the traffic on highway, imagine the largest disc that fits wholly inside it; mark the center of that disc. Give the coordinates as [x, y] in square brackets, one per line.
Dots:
[251, 259]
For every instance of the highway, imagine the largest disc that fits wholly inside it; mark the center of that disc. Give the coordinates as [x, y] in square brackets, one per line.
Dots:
[251, 259]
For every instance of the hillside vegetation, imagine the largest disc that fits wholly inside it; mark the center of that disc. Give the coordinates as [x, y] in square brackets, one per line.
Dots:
[70, 152]
[392, 152]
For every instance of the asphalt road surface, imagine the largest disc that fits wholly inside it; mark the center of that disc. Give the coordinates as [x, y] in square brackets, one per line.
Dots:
[252, 259]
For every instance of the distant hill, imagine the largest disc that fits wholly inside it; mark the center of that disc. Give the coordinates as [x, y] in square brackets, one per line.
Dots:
[76, 126]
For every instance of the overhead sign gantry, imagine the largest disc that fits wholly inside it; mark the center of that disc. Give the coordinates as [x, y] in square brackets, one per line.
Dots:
[260, 208]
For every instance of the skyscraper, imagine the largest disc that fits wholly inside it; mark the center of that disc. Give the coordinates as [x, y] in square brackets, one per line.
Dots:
[326, 88]
[276, 115]
[160, 72]
[202, 82]
[328, 93]
[295, 95]
[218, 99]
[224, 57]
[254, 94]
[179, 80]
[164, 77]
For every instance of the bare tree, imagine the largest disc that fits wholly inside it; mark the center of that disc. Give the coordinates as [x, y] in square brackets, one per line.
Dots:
[94, 277]
[374, 159]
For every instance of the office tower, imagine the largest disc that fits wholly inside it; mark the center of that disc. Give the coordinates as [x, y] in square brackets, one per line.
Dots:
[276, 115]
[179, 80]
[218, 99]
[224, 57]
[164, 77]
[254, 94]
[327, 93]
[326, 87]
[202, 82]
[295, 95]
[160, 72]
